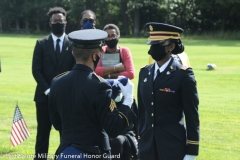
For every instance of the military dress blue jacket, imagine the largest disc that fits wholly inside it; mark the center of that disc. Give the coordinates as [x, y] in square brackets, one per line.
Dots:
[81, 108]
[163, 107]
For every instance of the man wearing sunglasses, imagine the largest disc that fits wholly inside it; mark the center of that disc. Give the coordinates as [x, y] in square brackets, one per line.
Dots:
[88, 20]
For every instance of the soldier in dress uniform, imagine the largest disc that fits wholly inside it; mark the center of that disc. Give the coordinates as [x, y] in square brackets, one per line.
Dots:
[81, 105]
[167, 96]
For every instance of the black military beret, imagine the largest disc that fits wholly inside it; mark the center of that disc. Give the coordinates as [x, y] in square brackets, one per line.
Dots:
[87, 39]
[159, 32]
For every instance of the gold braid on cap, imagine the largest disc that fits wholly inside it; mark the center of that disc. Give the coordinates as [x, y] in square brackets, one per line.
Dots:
[156, 36]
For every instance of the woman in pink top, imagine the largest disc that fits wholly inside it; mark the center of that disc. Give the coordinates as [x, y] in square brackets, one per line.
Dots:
[115, 60]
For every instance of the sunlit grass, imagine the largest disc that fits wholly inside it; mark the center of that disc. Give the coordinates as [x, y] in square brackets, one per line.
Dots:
[219, 92]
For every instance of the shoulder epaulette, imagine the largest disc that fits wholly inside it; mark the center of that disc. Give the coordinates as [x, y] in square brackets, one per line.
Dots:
[61, 74]
[184, 67]
[143, 67]
[98, 77]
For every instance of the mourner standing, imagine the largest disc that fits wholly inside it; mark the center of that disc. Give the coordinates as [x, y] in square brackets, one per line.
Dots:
[52, 56]
[88, 19]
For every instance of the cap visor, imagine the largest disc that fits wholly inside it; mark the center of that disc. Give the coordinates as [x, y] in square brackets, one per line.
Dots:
[155, 42]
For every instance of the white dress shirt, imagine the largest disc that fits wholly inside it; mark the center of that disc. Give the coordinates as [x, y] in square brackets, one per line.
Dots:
[54, 45]
[161, 69]
[60, 42]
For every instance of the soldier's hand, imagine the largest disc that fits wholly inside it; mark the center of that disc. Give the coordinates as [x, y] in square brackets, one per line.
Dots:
[127, 92]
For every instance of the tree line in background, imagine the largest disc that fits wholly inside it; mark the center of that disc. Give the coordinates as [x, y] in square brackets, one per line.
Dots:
[194, 16]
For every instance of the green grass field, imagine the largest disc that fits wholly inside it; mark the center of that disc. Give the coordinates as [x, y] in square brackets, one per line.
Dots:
[219, 93]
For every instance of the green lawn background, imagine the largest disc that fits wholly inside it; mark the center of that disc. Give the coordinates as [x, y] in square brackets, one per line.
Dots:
[219, 92]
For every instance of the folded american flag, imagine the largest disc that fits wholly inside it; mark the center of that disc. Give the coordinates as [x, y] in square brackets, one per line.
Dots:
[114, 83]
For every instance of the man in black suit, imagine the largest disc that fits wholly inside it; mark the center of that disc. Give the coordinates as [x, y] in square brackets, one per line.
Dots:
[167, 97]
[52, 56]
[81, 106]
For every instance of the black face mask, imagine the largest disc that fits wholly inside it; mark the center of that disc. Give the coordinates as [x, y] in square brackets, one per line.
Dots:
[96, 62]
[157, 52]
[58, 28]
[112, 43]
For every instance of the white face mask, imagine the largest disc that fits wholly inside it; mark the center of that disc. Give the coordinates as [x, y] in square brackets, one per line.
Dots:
[118, 98]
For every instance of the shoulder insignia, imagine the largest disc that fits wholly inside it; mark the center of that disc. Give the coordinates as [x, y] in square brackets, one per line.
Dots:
[61, 74]
[112, 105]
[184, 67]
[98, 77]
[143, 67]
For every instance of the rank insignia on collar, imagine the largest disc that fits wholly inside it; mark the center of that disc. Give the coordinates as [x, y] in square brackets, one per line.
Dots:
[171, 67]
[168, 73]
[145, 80]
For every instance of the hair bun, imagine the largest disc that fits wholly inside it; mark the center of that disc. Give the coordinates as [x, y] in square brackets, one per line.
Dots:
[179, 47]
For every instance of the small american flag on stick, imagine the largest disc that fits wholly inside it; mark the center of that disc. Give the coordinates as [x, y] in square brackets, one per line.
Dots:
[20, 130]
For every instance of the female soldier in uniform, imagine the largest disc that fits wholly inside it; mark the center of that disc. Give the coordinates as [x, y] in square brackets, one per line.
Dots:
[167, 96]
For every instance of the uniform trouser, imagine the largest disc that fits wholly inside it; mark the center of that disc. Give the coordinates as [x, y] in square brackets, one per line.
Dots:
[155, 150]
[43, 131]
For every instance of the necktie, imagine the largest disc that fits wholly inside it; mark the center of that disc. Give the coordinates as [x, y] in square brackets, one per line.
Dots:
[158, 75]
[58, 47]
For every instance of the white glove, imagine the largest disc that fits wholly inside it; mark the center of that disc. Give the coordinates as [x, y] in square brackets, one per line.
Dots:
[189, 157]
[127, 92]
